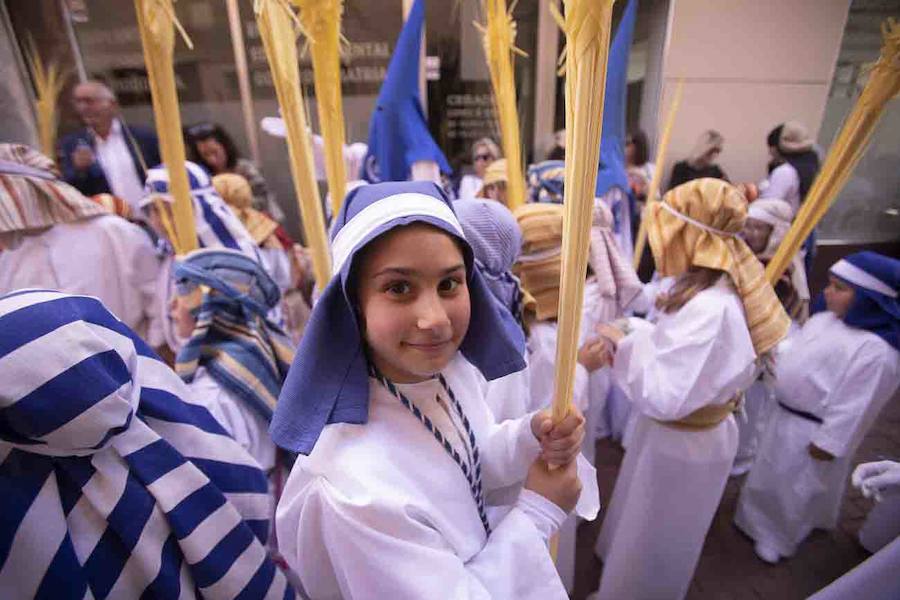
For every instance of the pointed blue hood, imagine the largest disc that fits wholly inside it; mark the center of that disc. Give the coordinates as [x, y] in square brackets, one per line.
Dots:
[612, 142]
[398, 130]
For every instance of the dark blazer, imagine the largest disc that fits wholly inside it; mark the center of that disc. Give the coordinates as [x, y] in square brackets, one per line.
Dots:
[93, 180]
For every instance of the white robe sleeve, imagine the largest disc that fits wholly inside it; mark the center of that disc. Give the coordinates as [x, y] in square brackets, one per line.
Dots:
[346, 549]
[783, 184]
[855, 402]
[679, 365]
[507, 453]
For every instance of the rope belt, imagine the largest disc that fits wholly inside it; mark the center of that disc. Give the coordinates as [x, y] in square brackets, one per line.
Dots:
[706, 417]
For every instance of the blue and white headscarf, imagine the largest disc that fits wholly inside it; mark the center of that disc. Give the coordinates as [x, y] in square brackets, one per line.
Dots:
[113, 483]
[328, 381]
[875, 279]
[233, 338]
[217, 226]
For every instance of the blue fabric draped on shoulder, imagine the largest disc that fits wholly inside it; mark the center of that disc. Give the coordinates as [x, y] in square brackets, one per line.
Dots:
[125, 483]
[328, 380]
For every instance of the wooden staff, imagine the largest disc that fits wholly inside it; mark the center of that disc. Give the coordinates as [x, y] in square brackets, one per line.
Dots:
[276, 23]
[656, 181]
[847, 149]
[321, 19]
[587, 25]
[157, 23]
[499, 32]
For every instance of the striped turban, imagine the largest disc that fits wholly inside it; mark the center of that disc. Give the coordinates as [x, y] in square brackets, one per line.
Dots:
[116, 485]
[32, 197]
[697, 225]
[233, 339]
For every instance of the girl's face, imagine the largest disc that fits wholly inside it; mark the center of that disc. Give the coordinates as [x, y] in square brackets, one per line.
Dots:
[756, 233]
[180, 311]
[838, 296]
[414, 302]
[213, 154]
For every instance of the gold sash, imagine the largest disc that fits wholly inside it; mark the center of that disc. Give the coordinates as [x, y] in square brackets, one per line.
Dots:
[706, 417]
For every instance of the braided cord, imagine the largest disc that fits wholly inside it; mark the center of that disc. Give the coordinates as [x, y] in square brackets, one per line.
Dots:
[472, 472]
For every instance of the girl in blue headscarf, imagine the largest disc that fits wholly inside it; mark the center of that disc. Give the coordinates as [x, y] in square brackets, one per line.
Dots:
[385, 400]
[832, 379]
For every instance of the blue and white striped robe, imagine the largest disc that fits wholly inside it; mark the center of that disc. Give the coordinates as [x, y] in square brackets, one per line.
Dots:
[112, 483]
[217, 225]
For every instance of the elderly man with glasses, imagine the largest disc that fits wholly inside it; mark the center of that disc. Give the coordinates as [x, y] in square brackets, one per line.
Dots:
[106, 156]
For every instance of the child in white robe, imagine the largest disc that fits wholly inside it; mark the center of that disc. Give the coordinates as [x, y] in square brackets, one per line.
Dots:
[55, 238]
[235, 359]
[768, 221]
[832, 380]
[685, 375]
[496, 240]
[385, 400]
[540, 265]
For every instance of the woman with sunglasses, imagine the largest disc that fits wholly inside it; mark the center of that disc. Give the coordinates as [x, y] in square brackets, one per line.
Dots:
[209, 145]
[484, 152]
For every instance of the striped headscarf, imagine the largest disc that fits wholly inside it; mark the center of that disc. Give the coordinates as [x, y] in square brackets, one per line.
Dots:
[243, 351]
[217, 225]
[546, 181]
[540, 263]
[617, 283]
[31, 195]
[697, 225]
[114, 484]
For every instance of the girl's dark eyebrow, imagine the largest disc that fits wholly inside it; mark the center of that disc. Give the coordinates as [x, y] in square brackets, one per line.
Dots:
[410, 272]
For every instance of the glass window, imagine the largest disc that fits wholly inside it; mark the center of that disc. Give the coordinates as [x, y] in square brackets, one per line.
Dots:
[868, 208]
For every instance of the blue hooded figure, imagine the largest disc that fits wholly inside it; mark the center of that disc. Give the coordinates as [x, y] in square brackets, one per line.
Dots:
[398, 130]
[612, 173]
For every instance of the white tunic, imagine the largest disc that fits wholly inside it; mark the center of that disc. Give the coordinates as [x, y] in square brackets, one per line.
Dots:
[382, 511]
[104, 256]
[542, 369]
[842, 375]
[671, 480]
[246, 426]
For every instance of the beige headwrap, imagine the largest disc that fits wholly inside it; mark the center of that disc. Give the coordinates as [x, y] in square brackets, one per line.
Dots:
[236, 192]
[494, 173]
[540, 262]
[697, 225]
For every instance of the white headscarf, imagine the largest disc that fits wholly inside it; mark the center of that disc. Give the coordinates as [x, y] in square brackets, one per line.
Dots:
[780, 215]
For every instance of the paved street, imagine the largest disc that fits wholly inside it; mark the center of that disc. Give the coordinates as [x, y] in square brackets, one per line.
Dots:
[728, 569]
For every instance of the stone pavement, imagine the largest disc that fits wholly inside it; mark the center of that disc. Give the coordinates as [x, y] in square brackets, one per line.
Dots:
[729, 569]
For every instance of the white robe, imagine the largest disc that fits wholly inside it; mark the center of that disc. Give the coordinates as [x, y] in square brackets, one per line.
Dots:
[246, 426]
[105, 256]
[382, 511]
[844, 376]
[671, 480]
